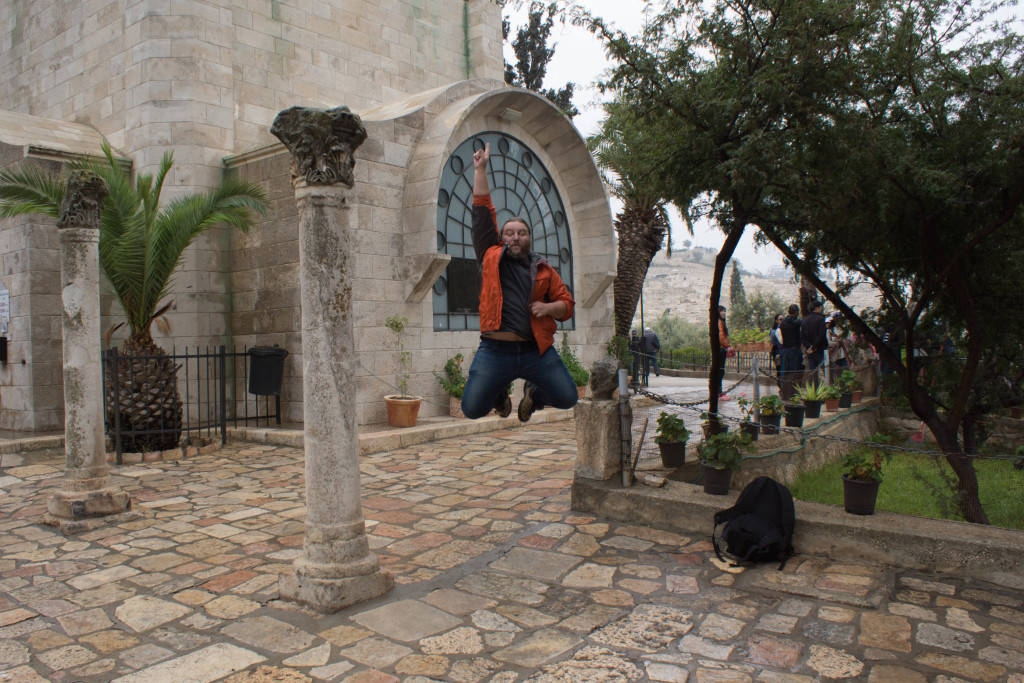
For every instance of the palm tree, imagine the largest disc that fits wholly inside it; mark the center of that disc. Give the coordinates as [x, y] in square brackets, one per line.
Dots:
[140, 246]
[642, 224]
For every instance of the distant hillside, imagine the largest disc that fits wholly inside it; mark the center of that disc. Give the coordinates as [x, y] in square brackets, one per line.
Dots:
[682, 285]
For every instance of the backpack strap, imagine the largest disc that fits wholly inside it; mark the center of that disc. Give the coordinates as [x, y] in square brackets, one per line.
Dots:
[714, 541]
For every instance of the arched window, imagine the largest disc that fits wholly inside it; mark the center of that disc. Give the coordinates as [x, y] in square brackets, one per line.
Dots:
[520, 186]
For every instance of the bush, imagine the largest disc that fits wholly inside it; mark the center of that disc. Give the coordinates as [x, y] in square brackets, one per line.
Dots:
[453, 380]
[579, 374]
[671, 428]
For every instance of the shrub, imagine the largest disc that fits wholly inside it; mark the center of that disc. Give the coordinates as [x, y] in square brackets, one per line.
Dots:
[671, 429]
[453, 380]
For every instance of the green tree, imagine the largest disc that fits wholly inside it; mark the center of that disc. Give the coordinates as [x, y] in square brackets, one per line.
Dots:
[883, 137]
[533, 56]
[642, 224]
[140, 246]
[675, 333]
[739, 314]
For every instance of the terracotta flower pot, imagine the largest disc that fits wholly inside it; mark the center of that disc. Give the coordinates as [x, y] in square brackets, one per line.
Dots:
[716, 482]
[673, 454]
[858, 396]
[402, 410]
[581, 392]
[832, 404]
[859, 496]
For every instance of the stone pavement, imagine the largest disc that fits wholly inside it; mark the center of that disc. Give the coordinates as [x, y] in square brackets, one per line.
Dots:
[497, 580]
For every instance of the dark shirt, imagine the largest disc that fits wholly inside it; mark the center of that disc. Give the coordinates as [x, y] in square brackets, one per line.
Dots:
[515, 275]
[789, 328]
[516, 291]
[651, 342]
[812, 332]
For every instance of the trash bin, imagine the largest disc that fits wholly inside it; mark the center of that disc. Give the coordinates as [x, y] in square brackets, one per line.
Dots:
[266, 368]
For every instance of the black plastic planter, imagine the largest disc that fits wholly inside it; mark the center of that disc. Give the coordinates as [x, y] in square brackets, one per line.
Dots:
[673, 454]
[859, 496]
[812, 409]
[846, 399]
[716, 482]
[770, 424]
[751, 429]
[794, 416]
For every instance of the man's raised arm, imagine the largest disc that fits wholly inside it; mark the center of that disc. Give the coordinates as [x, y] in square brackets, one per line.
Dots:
[480, 159]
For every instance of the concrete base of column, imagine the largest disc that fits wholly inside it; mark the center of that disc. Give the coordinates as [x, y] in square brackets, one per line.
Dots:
[77, 511]
[329, 595]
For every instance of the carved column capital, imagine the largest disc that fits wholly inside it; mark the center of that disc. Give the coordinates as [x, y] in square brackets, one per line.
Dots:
[322, 143]
[83, 201]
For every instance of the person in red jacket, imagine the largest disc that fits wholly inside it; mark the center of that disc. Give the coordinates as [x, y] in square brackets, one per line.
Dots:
[521, 297]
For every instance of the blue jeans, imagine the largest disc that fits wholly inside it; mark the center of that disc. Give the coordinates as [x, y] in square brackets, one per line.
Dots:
[499, 362]
[814, 360]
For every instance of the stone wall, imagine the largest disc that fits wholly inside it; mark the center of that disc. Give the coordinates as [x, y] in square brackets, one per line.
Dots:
[394, 200]
[783, 457]
[1005, 433]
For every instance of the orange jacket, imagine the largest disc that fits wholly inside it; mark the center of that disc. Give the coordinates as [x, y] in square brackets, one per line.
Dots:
[547, 287]
[723, 338]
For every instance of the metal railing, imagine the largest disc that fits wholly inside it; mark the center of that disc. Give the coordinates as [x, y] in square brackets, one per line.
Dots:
[212, 387]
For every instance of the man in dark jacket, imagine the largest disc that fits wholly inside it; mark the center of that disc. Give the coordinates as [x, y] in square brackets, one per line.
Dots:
[813, 335]
[651, 347]
[792, 359]
[521, 297]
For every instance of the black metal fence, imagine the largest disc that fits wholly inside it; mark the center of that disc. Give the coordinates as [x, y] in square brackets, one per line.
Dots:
[214, 387]
[693, 359]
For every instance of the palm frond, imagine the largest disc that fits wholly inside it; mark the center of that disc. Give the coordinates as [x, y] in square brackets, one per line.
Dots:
[29, 189]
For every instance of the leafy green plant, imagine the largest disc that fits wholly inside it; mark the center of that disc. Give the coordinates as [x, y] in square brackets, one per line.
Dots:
[848, 381]
[397, 324]
[813, 391]
[865, 464]
[725, 450]
[748, 336]
[771, 405]
[618, 346]
[830, 391]
[671, 429]
[453, 380]
[746, 407]
[579, 374]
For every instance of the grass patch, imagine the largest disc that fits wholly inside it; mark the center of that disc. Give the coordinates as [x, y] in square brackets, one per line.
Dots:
[913, 484]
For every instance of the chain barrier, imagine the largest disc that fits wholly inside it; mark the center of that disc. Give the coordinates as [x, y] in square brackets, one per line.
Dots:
[804, 434]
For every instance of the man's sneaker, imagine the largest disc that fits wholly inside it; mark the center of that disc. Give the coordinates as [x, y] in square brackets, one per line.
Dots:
[526, 406]
[503, 405]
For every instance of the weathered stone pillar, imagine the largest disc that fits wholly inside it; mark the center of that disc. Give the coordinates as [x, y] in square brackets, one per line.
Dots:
[599, 425]
[86, 498]
[336, 568]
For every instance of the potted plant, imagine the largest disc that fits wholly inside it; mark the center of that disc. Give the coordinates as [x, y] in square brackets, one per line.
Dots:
[771, 408]
[403, 409]
[706, 425]
[579, 374]
[749, 426]
[671, 439]
[720, 456]
[831, 393]
[845, 385]
[795, 413]
[862, 475]
[453, 381]
[813, 395]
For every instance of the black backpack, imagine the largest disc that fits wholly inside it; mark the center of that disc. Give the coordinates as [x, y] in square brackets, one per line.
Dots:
[759, 527]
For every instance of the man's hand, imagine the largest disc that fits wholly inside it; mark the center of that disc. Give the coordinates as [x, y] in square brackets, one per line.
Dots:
[539, 309]
[480, 159]
[482, 156]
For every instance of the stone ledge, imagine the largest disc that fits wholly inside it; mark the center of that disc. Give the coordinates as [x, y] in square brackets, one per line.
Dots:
[393, 439]
[966, 550]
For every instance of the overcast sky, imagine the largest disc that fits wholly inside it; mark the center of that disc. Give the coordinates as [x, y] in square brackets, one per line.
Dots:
[580, 59]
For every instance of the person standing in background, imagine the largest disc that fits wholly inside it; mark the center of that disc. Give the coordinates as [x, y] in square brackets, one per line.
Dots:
[652, 345]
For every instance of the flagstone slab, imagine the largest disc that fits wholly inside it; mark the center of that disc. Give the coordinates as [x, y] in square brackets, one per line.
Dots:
[537, 564]
[538, 649]
[406, 620]
[142, 612]
[267, 633]
[201, 666]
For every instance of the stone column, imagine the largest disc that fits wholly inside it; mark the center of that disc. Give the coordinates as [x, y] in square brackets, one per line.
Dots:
[336, 568]
[86, 498]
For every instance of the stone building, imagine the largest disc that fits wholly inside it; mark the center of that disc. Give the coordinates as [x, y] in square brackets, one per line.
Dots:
[205, 79]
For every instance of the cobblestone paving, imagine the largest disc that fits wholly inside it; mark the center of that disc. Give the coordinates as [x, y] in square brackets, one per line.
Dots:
[497, 580]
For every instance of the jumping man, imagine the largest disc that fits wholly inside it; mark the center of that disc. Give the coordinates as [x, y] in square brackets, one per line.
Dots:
[521, 297]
